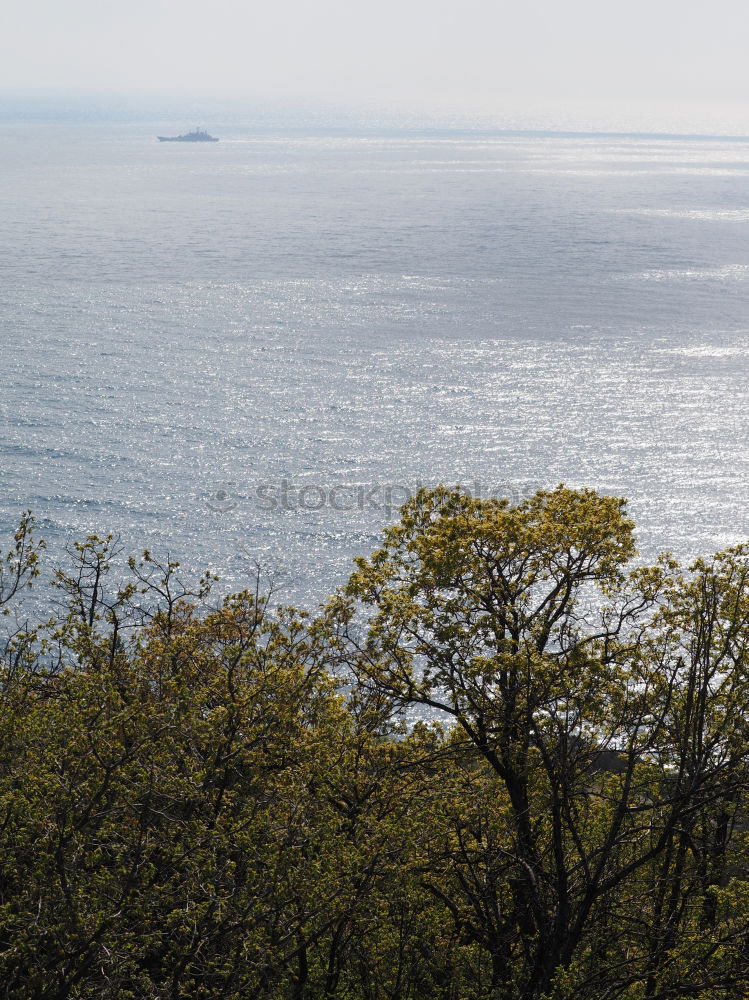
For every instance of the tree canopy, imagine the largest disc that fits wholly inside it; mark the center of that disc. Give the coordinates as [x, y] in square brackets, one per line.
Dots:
[505, 761]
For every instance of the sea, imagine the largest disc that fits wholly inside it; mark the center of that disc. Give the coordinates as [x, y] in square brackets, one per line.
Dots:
[246, 355]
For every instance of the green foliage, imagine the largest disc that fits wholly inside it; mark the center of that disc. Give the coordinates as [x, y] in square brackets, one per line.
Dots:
[223, 800]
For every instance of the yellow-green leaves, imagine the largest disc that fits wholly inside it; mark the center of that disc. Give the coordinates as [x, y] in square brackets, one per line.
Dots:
[500, 766]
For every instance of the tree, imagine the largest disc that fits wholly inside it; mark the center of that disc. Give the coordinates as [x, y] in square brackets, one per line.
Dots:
[153, 799]
[196, 802]
[608, 704]
[19, 567]
[189, 808]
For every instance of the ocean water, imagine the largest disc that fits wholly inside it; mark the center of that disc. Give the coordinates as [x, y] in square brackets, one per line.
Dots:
[250, 352]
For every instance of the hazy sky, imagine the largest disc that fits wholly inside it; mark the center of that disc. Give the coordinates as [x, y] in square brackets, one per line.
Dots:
[470, 55]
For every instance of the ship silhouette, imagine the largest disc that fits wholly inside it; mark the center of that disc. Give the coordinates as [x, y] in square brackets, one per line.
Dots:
[199, 135]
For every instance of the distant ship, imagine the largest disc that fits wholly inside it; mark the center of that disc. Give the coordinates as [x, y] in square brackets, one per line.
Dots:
[199, 135]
